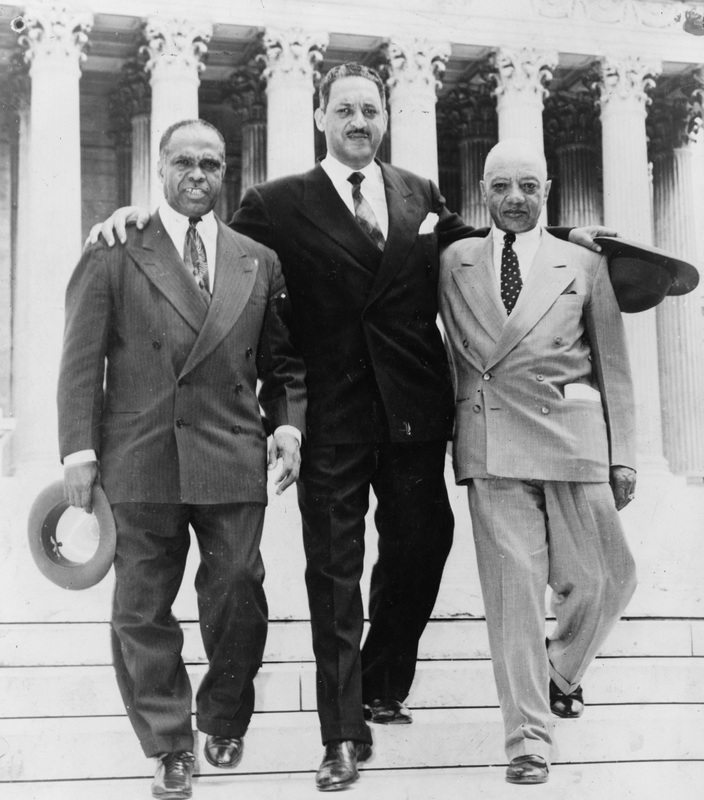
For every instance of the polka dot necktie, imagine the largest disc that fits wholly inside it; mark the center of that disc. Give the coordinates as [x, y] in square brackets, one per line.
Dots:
[196, 259]
[363, 212]
[511, 282]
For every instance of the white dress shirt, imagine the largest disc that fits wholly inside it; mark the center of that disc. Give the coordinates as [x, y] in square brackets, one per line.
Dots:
[525, 247]
[372, 188]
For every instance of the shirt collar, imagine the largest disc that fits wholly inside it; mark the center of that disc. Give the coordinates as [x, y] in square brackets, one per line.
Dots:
[527, 237]
[340, 172]
[176, 224]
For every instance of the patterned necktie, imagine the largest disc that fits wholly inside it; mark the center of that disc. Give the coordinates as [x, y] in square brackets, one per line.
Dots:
[195, 257]
[363, 212]
[511, 282]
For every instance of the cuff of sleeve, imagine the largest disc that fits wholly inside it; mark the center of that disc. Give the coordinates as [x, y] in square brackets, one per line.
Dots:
[289, 429]
[80, 457]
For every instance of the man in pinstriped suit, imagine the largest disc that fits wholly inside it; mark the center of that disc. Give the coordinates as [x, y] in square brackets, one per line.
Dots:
[174, 422]
[544, 439]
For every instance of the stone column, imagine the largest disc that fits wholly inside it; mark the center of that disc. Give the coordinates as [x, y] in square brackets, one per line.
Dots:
[520, 77]
[680, 325]
[246, 92]
[175, 48]
[291, 58]
[54, 41]
[414, 71]
[571, 131]
[627, 208]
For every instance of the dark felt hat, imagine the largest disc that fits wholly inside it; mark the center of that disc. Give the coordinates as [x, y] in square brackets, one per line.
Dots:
[642, 276]
[72, 549]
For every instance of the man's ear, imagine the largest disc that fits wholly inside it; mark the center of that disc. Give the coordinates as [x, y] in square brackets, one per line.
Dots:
[319, 116]
[548, 184]
[482, 187]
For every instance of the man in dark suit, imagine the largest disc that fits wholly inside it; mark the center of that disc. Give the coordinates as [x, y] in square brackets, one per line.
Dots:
[157, 400]
[358, 242]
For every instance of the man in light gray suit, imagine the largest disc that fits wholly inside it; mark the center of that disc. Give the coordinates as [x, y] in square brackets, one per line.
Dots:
[544, 439]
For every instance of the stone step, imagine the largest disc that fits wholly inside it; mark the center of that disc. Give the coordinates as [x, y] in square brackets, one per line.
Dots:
[105, 747]
[608, 781]
[64, 643]
[92, 691]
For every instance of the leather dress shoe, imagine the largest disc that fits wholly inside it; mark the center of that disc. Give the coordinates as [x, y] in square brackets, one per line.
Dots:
[388, 712]
[338, 769]
[172, 780]
[568, 706]
[527, 770]
[223, 752]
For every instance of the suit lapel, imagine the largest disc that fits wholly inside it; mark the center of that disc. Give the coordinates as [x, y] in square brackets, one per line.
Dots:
[547, 279]
[326, 210]
[235, 274]
[476, 280]
[404, 220]
[163, 265]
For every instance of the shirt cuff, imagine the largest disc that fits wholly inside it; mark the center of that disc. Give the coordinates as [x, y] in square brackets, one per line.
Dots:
[289, 429]
[80, 457]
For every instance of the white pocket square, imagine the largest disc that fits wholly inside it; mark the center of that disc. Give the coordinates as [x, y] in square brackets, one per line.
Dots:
[428, 224]
[580, 391]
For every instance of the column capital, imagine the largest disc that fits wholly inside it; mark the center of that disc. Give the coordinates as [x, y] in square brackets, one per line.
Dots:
[55, 29]
[131, 96]
[416, 62]
[526, 70]
[293, 52]
[571, 118]
[468, 110]
[176, 42]
[245, 89]
[626, 77]
[677, 120]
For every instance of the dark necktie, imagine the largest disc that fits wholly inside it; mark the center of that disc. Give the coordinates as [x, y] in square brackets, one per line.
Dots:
[511, 282]
[195, 257]
[363, 212]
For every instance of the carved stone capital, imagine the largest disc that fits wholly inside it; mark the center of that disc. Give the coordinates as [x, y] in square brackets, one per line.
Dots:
[132, 96]
[677, 120]
[416, 62]
[468, 110]
[245, 89]
[293, 52]
[570, 118]
[626, 77]
[55, 29]
[176, 43]
[526, 70]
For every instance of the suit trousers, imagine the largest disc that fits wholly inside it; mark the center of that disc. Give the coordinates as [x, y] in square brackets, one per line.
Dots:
[152, 544]
[415, 523]
[528, 535]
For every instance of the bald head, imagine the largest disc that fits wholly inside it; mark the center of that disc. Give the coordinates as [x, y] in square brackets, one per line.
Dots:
[515, 185]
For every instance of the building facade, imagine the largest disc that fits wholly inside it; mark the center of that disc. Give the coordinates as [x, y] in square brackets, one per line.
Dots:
[611, 89]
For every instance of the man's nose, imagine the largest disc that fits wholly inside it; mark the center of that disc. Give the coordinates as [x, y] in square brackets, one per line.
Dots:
[515, 195]
[196, 173]
[358, 119]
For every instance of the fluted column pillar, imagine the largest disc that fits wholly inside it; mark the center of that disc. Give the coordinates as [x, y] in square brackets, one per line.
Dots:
[627, 208]
[520, 77]
[175, 48]
[571, 131]
[414, 71]
[680, 325]
[54, 41]
[254, 136]
[291, 58]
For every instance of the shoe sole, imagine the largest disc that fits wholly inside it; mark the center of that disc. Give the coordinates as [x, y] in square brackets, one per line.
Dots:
[527, 781]
[179, 795]
[566, 716]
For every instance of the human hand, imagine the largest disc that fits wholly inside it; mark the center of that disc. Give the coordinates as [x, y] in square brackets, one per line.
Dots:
[116, 224]
[623, 485]
[78, 484]
[284, 446]
[584, 237]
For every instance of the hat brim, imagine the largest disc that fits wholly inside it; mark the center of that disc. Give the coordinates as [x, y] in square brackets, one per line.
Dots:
[642, 275]
[44, 517]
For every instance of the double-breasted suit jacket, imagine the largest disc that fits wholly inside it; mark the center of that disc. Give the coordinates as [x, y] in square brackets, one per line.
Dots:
[175, 417]
[514, 416]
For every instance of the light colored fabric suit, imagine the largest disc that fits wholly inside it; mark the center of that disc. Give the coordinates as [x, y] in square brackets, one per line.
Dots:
[537, 464]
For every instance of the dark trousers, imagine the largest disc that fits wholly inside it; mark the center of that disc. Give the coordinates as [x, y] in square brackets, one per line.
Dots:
[415, 524]
[152, 544]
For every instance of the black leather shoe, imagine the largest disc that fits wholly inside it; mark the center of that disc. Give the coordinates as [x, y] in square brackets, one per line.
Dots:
[223, 752]
[338, 769]
[568, 706]
[172, 780]
[527, 769]
[388, 712]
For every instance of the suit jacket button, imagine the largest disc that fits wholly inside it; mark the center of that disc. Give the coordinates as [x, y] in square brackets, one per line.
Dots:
[180, 423]
[545, 410]
[540, 377]
[236, 428]
[465, 343]
[476, 409]
[558, 340]
[239, 388]
[487, 376]
[249, 352]
[156, 344]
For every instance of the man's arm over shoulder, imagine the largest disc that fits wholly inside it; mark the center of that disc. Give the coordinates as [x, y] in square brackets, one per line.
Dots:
[252, 219]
